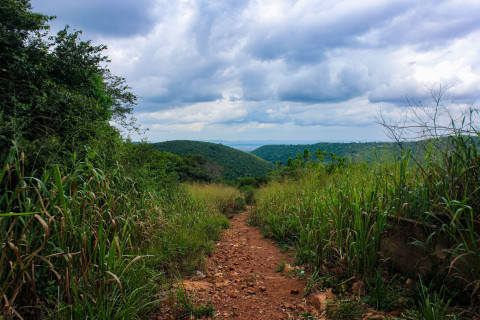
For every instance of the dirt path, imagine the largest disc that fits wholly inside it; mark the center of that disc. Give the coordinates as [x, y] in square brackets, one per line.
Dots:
[242, 281]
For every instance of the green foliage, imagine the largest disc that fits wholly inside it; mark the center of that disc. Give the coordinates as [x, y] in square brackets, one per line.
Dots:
[432, 305]
[235, 163]
[91, 244]
[345, 310]
[190, 308]
[357, 152]
[381, 293]
[89, 224]
[56, 93]
[226, 199]
[57, 228]
[249, 185]
[328, 217]
[339, 219]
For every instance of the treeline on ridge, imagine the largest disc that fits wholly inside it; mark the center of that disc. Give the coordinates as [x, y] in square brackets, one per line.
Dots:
[235, 163]
[358, 152]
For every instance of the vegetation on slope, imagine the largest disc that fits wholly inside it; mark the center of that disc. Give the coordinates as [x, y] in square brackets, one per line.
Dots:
[368, 152]
[235, 163]
[340, 218]
[92, 243]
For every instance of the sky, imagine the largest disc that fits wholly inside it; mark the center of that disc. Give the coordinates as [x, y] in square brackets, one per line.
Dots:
[279, 70]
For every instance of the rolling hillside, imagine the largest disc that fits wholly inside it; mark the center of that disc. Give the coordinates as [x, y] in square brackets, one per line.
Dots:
[236, 163]
[357, 152]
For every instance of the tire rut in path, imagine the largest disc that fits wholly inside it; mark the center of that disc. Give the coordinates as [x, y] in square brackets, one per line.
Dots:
[241, 279]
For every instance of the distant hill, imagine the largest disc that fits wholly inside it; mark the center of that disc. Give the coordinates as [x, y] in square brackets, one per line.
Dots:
[236, 163]
[356, 152]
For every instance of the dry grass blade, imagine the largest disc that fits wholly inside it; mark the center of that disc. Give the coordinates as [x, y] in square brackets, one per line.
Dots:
[17, 254]
[40, 200]
[46, 227]
[116, 279]
[133, 261]
[51, 266]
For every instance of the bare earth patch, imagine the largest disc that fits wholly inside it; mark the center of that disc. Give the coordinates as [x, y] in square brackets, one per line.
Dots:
[242, 281]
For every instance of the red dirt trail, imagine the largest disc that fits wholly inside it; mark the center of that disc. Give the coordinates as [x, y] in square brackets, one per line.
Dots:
[241, 280]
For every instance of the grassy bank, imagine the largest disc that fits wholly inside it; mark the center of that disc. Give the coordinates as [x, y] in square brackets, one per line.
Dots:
[339, 221]
[92, 243]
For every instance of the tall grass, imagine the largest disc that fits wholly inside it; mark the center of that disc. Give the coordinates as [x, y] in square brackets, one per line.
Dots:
[226, 199]
[89, 244]
[69, 240]
[188, 227]
[340, 220]
[329, 219]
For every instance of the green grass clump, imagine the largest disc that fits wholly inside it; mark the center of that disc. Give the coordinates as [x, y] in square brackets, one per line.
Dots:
[88, 243]
[382, 293]
[72, 238]
[327, 219]
[226, 199]
[188, 307]
[345, 310]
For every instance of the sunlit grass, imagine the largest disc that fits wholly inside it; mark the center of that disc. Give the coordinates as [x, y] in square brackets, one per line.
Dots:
[224, 198]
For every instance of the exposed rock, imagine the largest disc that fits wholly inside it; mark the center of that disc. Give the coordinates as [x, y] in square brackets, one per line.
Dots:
[289, 306]
[251, 290]
[223, 283]
[197, 286]
[321, 300]
[287, 268]
[358, 288]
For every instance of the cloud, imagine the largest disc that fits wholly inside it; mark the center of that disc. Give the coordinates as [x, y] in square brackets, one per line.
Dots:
[109, 18]
[426, 24]
[205, 65]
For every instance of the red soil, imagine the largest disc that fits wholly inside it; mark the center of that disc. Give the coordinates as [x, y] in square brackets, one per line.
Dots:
[242, 281]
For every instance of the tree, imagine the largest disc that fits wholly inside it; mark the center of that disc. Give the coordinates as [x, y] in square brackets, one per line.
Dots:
[56, 94]
[436, 117]
[431, 121]
[449, 136]
[21, 52]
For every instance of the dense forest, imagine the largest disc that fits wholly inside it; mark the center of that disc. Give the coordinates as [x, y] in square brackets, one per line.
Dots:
[94, 226]
[231, 163]
[358, 152]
